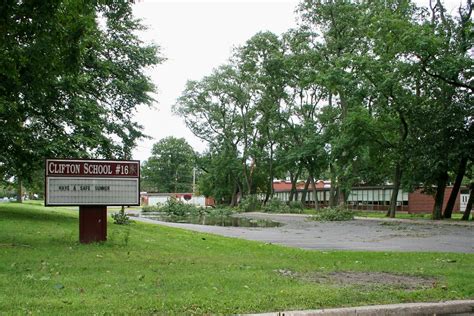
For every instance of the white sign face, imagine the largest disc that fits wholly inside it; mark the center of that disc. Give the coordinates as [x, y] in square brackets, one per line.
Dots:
[87, 191]
[92, 182]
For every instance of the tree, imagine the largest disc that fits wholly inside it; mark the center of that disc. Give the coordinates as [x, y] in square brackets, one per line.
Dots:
[71, 74]
[261, 64]
[440, 49]
[217, 109]
[392, 83]
[170, 167]
[391, 60]
[334, 33]
[221, 175]
[237, 110]
[368, 93]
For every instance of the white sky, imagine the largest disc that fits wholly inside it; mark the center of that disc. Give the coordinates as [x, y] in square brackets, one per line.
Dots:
[195, 37]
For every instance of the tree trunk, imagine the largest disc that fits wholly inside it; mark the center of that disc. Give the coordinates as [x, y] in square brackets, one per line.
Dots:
[439, 198]
[294, 180]
[332, 198]
[293, 187]
[468, 209]
[303, 194]
[398, 168]
[268, 193]
[316, 202]
[396, 186]
[448, 211]
[233, 201]
[19, 190]
[246, 176]
[341, 196]
[250, 185]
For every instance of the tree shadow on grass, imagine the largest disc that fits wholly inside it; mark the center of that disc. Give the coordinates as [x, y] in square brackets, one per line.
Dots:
[34, 214]
[38, 227]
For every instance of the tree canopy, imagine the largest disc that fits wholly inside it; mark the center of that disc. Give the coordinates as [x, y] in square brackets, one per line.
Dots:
[71, 75]
[361, 93]
[170, 167]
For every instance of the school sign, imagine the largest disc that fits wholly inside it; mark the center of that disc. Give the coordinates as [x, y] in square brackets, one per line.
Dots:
[92, 185]
[92, 182]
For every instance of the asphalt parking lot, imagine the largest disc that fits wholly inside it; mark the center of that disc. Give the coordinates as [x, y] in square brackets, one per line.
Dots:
[360, 234]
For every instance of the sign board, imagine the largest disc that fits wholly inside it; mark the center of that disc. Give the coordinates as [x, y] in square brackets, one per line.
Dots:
[92, 182]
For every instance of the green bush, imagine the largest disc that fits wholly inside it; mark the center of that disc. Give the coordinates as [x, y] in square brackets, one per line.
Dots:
[151, 208]
[120, 218]
[275, 205]
[176, 207]
[194, 210]
[296, 207]
[250, 204]
[334, 214]
[220, 211]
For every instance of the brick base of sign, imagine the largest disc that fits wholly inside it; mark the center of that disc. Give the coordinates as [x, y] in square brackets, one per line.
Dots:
[92, 224]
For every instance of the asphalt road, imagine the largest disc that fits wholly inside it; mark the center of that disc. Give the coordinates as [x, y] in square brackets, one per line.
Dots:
[360, 234]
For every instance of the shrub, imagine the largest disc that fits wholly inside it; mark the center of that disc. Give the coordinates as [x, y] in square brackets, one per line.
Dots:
[275, 205]
[194, 210]
[176, 207]
[151, 208]
[334, 214]
[120, 218]
[250, 203]
[296, 207]
[220, 211]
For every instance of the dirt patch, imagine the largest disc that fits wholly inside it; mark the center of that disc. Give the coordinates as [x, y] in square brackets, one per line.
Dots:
[365, 279]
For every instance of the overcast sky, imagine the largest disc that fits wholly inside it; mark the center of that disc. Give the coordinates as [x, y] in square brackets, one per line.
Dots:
[195, 37]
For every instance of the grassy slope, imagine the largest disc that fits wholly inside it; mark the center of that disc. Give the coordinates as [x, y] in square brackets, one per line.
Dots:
[146, 269]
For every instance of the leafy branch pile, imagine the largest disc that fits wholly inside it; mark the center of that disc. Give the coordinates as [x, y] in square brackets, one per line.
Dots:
[275, 205]
[334, 214]
[175, 207]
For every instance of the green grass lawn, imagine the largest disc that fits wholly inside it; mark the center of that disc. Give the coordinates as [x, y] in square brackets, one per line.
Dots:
[148, 269]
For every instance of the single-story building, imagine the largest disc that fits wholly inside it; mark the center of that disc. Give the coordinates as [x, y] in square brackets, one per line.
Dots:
[151, 198]
[376, 198]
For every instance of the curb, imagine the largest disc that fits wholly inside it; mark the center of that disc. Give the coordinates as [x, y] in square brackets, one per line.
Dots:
[464, 307]
[376, 219]
[416, 221]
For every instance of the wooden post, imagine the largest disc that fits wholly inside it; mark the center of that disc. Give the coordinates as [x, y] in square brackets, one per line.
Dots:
[92, 223]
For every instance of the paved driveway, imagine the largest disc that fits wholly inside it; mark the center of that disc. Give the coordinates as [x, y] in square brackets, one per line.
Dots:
[360, 234]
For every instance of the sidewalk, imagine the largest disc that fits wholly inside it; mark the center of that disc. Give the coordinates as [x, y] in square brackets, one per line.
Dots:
[461, 307]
